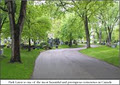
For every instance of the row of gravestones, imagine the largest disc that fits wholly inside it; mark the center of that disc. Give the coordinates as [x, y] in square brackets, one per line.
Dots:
[23, 46]
[46, 45]
[114, 45]
[53, 42]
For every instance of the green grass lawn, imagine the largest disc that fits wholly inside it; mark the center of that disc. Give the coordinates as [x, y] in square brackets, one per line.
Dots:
[17, 70]
[104, 53]
[66, 46]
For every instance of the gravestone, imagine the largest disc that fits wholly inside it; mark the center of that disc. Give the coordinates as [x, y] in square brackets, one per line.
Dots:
[114, 45]
[118, 43]
[50, 41]
[57, 42]
[1, 51]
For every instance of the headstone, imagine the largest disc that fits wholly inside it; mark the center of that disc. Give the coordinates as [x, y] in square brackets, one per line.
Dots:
[118, 43]
[1, 51]
[50, 41]
[57, 42]
[114, 45]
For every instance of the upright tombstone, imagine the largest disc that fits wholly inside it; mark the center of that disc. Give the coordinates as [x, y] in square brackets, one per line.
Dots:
[50, 41]
[118, 43]
[1, 52]
[1, 49]
[57, 42]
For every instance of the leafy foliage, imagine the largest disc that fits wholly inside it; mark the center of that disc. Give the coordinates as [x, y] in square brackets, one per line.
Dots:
[36, 26]
[71, 28]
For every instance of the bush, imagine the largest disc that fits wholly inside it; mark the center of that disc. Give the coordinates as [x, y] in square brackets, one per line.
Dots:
[44, 45]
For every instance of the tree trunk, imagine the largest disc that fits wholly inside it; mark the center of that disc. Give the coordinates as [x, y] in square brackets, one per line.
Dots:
[109, 39]
[100, 37]
[15, 45]
[16, 29]
[15, 55]
[34, 43]
[109, 36]
[70, 42]
[29, 47]
[87, 31]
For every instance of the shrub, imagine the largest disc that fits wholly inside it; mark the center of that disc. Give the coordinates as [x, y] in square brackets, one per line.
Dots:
[44, 45]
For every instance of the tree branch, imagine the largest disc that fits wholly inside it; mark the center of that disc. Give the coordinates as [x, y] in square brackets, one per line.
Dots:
[3, 9]
[22, 14]
[63, 5]
[95, 10]
[117, 18]
[77, 8]
[3, 21]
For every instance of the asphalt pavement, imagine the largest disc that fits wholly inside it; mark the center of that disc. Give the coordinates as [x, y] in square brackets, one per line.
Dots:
[71, 64]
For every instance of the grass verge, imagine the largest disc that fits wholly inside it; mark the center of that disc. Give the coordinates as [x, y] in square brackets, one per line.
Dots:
[104, 53]
[66, 46]
[17, 70]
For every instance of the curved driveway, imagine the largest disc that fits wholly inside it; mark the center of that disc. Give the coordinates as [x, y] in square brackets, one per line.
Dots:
[70, 64]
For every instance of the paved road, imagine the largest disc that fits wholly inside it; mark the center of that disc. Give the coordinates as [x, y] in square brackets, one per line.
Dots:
[70, 64]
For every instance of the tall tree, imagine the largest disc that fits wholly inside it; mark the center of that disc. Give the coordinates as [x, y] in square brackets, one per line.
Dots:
[37, 23]
[85, 10]
[16, 27]
[70, 29]
[109, 18]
